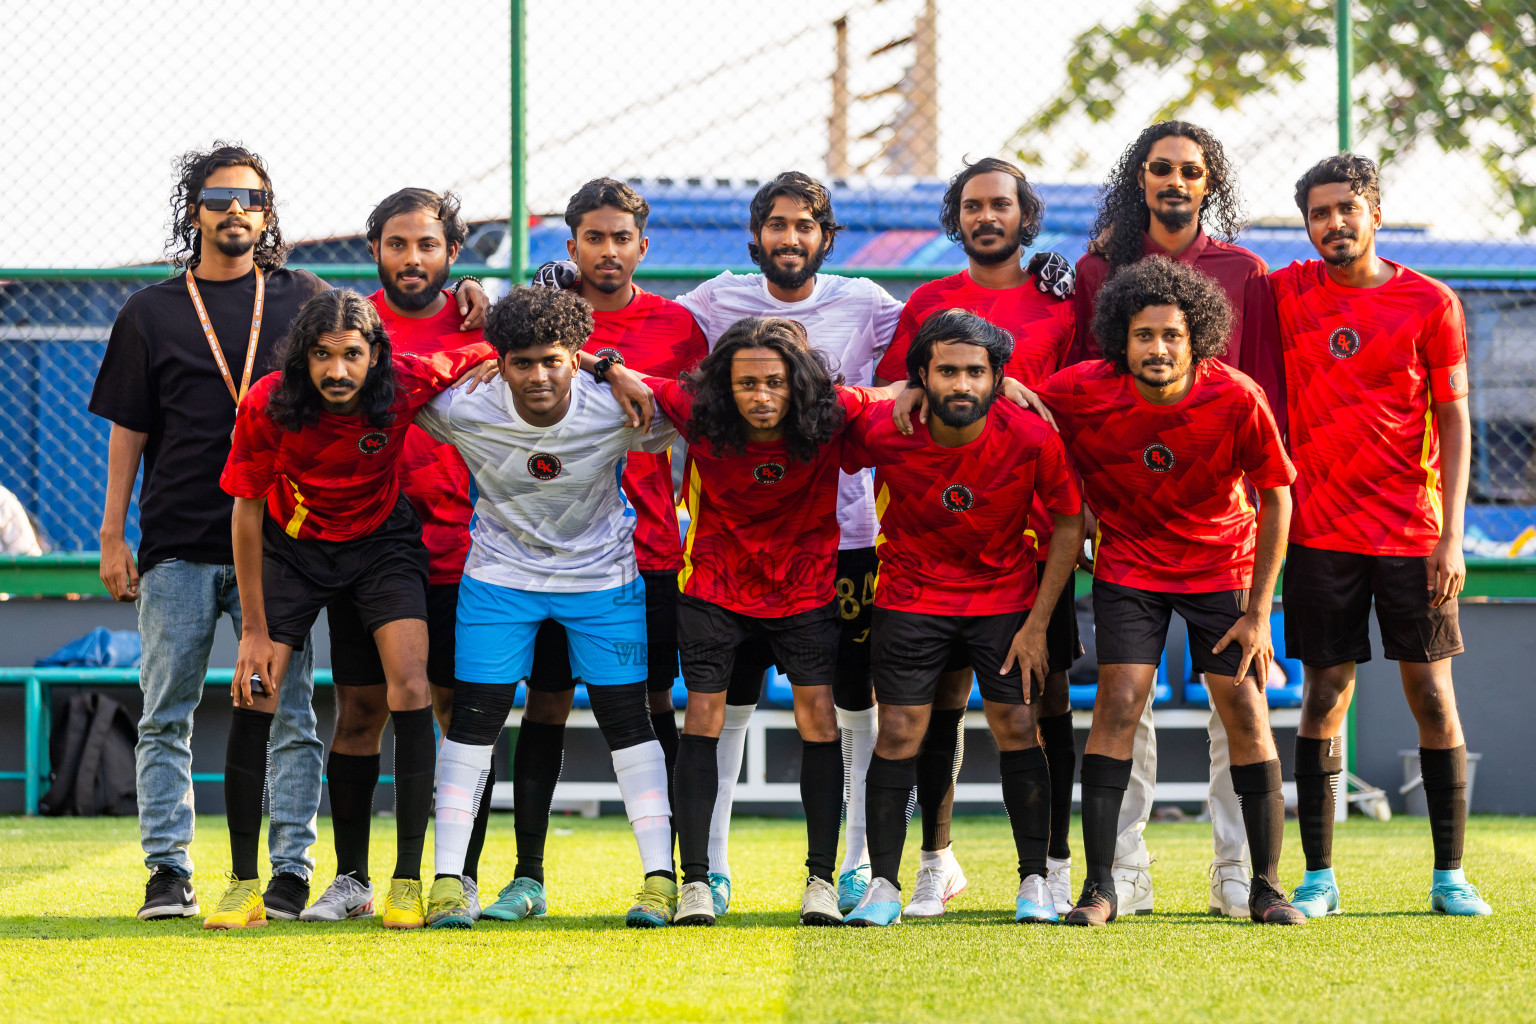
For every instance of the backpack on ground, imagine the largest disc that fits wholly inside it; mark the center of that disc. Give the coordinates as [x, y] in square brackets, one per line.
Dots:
[92, 754]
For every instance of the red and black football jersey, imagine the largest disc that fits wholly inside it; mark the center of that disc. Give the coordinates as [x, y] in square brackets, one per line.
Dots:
[434, 478]
[1363, 366]
[762, 526]
[337, 479]
[954, 536]
[659, 337]
[1166, 481]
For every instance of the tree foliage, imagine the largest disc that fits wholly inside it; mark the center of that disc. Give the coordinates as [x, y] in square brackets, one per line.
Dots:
[1458, 74]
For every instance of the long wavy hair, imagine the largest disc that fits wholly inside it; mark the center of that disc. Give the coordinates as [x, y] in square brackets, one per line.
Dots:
[814, 415]
[183, 245]
[1123, 212]
[295, 402]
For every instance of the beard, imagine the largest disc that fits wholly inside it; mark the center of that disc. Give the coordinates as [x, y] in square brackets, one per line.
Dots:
[1349, 254]
[960, 414]
[1152, 382]
[1178, 218]
[234, 247]
[414, 302]
[791, 280]
[606, 287]
[992, 257]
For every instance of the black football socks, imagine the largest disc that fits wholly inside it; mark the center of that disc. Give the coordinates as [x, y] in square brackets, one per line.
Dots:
[1318, 764]
[697, 779]
[1445, 791]
[415, 764]
[1258, 790]
[1027, 799]
[536, 765]
[245, 784]
[351, 780]
[1061, 755]
[821, 792]
[1104, 783]
[938, 766]
[888, 784]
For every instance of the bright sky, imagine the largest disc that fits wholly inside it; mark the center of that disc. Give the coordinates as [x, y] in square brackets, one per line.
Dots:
[350, 100]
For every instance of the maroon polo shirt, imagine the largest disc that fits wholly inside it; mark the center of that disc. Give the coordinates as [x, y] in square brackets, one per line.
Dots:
[1254, 345]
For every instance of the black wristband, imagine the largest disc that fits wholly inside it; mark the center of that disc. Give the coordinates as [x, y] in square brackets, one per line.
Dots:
[460, 283]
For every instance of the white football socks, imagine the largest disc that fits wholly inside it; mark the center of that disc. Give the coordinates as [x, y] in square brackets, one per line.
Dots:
[642, 775]
[728, 755]
[461, 773]
[859, 729]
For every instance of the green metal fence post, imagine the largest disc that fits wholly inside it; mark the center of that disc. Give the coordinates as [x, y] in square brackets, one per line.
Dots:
[33, 742]
[1344, 30]
[517, 219]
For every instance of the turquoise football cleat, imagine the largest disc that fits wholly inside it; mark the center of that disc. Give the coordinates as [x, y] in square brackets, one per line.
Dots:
[720, 891]
[1452, 894]
[1318, 894]
[851, 886]
[880, 906]
[522, 897]
[1035, 904]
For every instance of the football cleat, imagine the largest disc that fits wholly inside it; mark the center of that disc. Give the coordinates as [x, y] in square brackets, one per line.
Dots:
[720, 890]
[168, 894]
[239, 907]
[446, 905]
[520, 898]
[472, 897]
[881, 906]
[818, 905]
[1035, 904]
[938, 881]
[851, 886]
[1096, 906]
[343, 899]
[655, 903]
[1268, 905]
[402, 906]
[285, 896]
[695, 905]
[1318, 894]
[1452, 894]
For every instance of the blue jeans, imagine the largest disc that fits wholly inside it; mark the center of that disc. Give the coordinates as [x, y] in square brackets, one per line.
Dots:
[179, 608]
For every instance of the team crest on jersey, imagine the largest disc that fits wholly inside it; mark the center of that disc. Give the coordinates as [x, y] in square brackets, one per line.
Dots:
[957, 498]
[543, 465]
[1158, 458]
[1343, 342]
[768, 472]
[372, 442]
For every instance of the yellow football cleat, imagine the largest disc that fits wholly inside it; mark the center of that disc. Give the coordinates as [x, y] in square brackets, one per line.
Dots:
[239, 907]
[402, 906]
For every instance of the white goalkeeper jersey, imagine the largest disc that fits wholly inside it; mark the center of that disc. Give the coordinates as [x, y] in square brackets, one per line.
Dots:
[850, 320]
[551, 515]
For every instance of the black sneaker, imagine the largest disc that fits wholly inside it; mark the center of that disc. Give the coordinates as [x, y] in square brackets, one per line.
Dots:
[1096, 906]
[1268, 905]
[287, 894]
[168, 894]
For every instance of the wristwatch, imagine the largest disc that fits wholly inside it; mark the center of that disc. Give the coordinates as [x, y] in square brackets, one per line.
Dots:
[607, 358]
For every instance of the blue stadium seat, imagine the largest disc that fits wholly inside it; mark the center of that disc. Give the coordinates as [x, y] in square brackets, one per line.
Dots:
[1287, 696]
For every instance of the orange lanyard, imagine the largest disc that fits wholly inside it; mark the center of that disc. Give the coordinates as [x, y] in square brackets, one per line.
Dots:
[213, 339]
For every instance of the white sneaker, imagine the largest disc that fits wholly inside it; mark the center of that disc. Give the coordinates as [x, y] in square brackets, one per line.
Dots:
[343, 899]
[1035, 902]
[1133, 885]
[1058, 876]
[695, 905]
[819, 904]
[939, 880]
[1229, 889]
[472, 897]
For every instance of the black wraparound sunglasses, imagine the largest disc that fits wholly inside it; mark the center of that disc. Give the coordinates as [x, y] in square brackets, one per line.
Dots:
[218, 199]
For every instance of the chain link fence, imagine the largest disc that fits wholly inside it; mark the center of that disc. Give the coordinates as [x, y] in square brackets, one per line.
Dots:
[696, 103]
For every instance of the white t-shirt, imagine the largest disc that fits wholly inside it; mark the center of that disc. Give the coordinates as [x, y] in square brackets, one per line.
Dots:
[551, 515]
[16, 534]
[848, 319]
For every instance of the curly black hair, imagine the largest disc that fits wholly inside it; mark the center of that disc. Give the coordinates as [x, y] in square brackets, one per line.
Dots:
[814, 415]
[444, 207]
[527, 317]
[183, 244]
[947, 325]
[1160, 281]
[1123, 211]
[1031, 207]
[295, 402]
[1356, 171]
[804, 189]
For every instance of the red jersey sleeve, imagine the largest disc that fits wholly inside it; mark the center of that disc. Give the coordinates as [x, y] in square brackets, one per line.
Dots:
[419, 379]
[1055, 483]
[251, 469]
[1263, 353]
[1444, 351]
[1260, 451]
[692, 349]
[893, 365]
[672, 401]
[856, 401]
[1091, 273]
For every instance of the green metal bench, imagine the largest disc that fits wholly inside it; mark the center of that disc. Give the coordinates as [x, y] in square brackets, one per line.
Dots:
[38, 684]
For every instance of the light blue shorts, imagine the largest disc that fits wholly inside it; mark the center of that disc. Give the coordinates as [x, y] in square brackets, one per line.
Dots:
[496, 626]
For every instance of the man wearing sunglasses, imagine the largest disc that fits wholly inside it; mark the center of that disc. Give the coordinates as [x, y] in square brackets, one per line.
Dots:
[181, 354]
[1171, 184]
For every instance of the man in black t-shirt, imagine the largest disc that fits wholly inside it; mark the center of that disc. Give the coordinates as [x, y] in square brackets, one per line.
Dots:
[179, 355]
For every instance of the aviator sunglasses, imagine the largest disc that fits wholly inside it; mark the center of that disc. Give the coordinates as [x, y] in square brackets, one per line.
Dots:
[218, 199]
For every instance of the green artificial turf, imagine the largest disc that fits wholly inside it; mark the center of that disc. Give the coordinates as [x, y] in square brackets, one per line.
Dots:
[70, 948]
